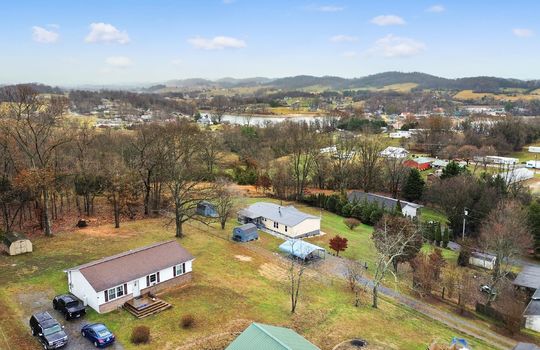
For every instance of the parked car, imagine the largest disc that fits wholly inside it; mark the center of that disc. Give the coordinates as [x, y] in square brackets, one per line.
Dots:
[487, 289]
[98, 334]
[69, 305]
[50, 333]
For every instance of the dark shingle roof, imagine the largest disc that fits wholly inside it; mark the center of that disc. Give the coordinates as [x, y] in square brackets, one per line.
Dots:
[124, 267]
[528, 277]
[288, 215]
[387, 202]
[11, 237]
[533, 309]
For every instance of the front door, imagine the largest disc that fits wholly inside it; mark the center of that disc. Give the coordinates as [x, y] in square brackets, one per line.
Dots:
[136, 289]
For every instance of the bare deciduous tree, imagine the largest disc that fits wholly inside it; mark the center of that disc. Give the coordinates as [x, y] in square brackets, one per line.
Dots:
[505, 234]
[296, 271]
[368, 151]
[391, 241]
[354, 273]
[223, 200]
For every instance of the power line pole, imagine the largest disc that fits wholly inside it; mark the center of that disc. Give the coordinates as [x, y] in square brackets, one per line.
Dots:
[465, 213]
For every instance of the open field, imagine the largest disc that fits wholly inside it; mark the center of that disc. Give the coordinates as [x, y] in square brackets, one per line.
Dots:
[471, 95]
[233, 284]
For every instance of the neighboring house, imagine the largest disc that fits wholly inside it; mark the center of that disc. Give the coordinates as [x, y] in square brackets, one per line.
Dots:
[532, 312]
[533, 164]
[408, 209]
[483, 260]
[15, 243]
[282, 221]
[525, 346]
[302, 250]
[108, 283]
[394, 152]
[207, 209]
[516, 175]
[496, 160]
[262, 336]
[439, 163]
[400, 134]
[420, 163]
[245, 233]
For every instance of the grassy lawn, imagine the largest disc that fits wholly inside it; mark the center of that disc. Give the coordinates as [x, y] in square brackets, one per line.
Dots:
[431, 214]
[233, 284]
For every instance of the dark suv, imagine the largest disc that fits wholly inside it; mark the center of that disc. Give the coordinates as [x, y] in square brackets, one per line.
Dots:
[69, 305]
[50, 333]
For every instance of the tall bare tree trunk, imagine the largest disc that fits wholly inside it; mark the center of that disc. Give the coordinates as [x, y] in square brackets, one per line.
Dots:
[47, 229]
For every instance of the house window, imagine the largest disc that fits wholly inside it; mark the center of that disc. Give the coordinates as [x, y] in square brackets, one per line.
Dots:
[152, 278]
[180, 269]
[276, 225]
[285, 228]
[115, 292]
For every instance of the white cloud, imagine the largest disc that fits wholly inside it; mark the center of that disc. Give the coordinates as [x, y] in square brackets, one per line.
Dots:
[176, 61]
[387, 20]
[42, 35]
[393, 46]
[350, 54]
[328, 8]
[217, 43]
[119, 62]
[436, 9]
[522, 32]
[105, 32]
[341, 38]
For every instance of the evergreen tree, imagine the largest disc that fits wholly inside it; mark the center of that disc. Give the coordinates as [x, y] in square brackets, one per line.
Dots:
[414, 186]
[438, 233]
[398, 209]
[446, 237]
[534, 223]
[452, 169]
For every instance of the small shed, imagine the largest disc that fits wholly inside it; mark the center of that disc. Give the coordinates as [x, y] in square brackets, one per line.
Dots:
[532, 313]
[483, 260]
[15, 243]
[245, 233]
[302, 249]
[267, 337]
[207, 209]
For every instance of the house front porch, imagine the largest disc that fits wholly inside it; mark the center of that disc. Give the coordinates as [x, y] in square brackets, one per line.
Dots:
[146, 305]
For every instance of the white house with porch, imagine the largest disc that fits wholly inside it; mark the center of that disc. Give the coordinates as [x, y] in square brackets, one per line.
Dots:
[108, 283]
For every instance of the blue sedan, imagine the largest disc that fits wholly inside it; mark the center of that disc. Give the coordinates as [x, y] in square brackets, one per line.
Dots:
[98, 334]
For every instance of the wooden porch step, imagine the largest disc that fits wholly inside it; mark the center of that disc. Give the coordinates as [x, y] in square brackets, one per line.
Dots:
[157, 306]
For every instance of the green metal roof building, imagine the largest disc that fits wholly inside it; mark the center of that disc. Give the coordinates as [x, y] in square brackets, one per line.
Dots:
[264, 337]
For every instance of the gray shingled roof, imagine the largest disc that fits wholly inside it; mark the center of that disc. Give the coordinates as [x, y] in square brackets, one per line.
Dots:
[533, 309]
[288, 215]
[387, 202]
[528, 277]
[115, 270]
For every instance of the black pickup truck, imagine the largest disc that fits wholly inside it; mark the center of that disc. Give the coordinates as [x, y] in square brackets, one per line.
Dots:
[69, 305]
[50, 333]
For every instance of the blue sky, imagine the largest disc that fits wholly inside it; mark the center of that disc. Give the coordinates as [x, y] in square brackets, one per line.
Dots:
[123, 41]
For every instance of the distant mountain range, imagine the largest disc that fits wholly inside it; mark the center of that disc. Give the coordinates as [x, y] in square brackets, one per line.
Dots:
[392, 80]
[422, 81]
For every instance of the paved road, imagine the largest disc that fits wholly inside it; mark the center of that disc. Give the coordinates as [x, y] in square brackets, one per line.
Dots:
[338, 268]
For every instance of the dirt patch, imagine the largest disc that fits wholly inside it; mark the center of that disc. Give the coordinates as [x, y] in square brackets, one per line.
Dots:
[243, 258]
[218, 341]
[273, 272]
[103, 231]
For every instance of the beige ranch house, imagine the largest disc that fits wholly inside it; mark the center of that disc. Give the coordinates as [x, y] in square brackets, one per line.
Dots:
[108, 283]
[282, 221]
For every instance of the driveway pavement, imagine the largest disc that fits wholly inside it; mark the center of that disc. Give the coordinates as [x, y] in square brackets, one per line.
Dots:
[32, 302]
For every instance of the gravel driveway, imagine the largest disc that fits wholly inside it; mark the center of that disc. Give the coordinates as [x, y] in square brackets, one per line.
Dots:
[42, 301]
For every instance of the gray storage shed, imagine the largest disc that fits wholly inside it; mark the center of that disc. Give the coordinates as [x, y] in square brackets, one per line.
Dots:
[245, 233]
[15, 243]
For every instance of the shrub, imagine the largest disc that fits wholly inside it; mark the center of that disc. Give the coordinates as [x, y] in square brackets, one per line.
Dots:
[346, 211]
[187, 321]
[351, 223]
[140, 335]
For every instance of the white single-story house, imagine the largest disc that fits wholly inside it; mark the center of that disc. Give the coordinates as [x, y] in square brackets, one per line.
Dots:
[408, 209]
[516, 175]
[483, 260]
[284, 221]
[400, 134]
[394, 152]
[496, 160]
[532, 312]
[108, 283]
